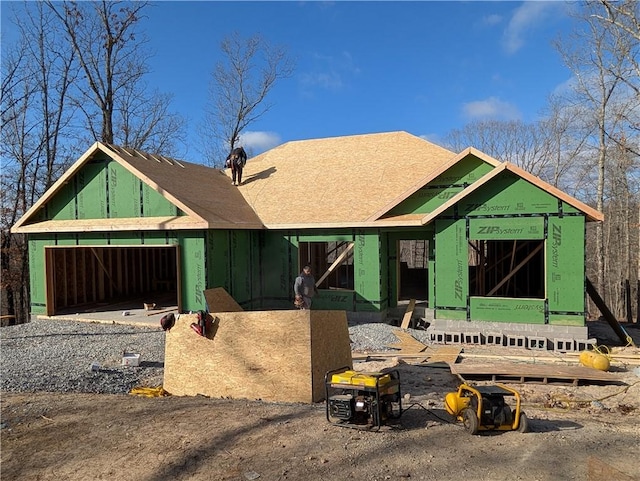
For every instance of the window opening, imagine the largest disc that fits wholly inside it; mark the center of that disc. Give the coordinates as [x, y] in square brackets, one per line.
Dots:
[513, 268]
[331, 263]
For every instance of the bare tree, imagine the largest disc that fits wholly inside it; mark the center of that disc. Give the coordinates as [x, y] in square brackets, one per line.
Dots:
[37, 74]
[110, 48]
[589, 55]
[603, 59]
[240, 86]
[508, 141]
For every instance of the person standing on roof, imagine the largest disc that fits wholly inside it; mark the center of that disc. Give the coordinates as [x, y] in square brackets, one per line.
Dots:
[304, 288]
[236, 160]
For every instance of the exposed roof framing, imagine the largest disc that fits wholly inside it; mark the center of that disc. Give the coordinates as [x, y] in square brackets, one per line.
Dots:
[203, 193]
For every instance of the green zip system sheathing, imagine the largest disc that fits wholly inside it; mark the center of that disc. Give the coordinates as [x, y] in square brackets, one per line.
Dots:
[104, 189]
[443, 187]
[509, 209]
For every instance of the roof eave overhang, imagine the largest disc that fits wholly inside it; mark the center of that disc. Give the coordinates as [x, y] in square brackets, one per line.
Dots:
[174, 223]
[346, 225]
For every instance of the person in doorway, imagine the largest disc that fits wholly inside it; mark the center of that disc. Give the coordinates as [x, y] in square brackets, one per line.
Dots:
[236, 160]
[304, 288]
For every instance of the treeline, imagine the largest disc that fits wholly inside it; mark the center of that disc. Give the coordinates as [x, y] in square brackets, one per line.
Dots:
[77, 73]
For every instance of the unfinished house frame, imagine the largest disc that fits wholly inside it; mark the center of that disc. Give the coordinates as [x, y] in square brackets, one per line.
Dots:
[472, 238]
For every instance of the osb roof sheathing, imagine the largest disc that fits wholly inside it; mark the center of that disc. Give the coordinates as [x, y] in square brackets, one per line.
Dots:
[337, 182]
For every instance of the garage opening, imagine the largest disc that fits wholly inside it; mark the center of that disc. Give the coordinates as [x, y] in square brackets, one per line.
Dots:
[81, 278]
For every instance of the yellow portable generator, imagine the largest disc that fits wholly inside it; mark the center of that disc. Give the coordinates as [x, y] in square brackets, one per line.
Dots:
[483, 408]
[362, 400]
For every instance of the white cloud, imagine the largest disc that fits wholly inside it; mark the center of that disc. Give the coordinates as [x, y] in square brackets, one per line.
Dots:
[526, 18]
[257, 142]
[490, 108]
[490, 20]
[330, 71]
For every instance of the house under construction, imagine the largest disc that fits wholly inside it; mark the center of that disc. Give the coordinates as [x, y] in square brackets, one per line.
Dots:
[380, 217]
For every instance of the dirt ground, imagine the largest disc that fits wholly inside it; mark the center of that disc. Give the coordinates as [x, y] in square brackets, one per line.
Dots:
[588, 432]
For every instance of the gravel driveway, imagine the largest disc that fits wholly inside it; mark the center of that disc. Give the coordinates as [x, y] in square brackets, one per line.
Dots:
[56, 356]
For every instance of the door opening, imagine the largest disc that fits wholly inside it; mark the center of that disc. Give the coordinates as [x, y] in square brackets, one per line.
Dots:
[413, 256]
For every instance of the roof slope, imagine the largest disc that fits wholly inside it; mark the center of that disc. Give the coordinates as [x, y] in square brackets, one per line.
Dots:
[204, 194]
[339, 181]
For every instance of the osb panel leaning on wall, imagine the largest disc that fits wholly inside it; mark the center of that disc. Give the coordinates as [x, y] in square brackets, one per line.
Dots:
[268, 355]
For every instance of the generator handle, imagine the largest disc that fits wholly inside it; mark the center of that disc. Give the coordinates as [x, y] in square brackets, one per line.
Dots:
[328, 375]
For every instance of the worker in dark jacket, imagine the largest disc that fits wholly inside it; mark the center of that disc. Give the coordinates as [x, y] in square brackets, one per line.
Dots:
[304, 288]
[236, 160]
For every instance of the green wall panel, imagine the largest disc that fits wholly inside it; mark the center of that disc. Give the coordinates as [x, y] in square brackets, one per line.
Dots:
[192, 253]
[65, 239]
[91, 187]
[218, 264]
[392, 263]
[468, 170]
[451, 269]
[566, 320]
[125, 238]
[241, 266]
[335, 300]
[508, 194]
[37, 278]
[443, 187]
[506, 228]
[277, 256]
[154, 205]
[565, 271]
[366, 266]
[124, 192]
[62, 206]
[384, 271]
[425, 200]
[103, 189]
[93, 239]
[158, 238]
[451, 314]
[500, 309]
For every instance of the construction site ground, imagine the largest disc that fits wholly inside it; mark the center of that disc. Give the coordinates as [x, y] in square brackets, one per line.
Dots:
[585, 432]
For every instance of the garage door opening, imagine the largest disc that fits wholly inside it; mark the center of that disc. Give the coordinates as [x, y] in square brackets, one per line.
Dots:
[82, 278]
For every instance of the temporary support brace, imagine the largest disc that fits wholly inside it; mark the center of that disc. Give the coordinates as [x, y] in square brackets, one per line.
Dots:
[608, 315]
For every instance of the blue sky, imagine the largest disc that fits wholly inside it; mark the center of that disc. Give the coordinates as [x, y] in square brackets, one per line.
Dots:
[364, 67]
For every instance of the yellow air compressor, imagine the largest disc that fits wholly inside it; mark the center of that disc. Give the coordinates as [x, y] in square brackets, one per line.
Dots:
[484, 408]
[362, 400]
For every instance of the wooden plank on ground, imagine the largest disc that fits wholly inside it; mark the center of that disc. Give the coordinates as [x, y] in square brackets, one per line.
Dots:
[408, 344]
[406, 320]
[440, 354]
[535, 373]
[448, 354]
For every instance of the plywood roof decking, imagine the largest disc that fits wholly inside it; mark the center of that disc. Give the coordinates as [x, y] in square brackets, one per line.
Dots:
[337, 181]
